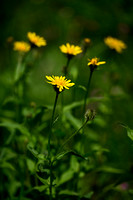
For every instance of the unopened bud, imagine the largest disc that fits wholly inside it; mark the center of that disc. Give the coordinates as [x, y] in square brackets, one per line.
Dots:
[90, 114]
[87, 41]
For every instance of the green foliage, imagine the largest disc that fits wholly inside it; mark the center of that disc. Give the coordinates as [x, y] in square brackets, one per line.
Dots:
[129, 132]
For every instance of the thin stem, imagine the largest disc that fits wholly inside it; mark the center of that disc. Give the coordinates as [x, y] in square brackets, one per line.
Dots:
[18, 68]
[17, 86]
[88, 87]
[49, 138]
[66, 67]
[49, 149]
[76, 132]
[50, 186]
[54, 108]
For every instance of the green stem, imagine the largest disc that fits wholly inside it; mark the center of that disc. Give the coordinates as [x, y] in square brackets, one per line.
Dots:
[88, 87]
[18, 68]
[57, 93]
[50, 186]
[66, 67]
[49, 149]
[49, 138]
[76, 132]
[17, 84]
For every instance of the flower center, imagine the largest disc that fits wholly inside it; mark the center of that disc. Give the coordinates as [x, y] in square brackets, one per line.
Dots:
[94, 61]
[60, 82]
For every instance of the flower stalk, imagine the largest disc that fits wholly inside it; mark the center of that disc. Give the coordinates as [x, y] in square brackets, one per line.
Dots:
[70, 51]
[49, 149]
[93, 63]
[51, 181]
[18, 68]
[90, 115]
[75, 133]
[52, 120]
[59, 84]
[65, 69]
[87, 91]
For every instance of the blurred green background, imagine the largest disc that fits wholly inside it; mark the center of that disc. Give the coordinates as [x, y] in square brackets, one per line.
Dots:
[60, 22]
[67, 21]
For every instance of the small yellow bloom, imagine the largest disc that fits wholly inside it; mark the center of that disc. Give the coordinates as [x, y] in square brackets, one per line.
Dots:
[36, 40]
[94, 62]
[87, 40]
[70, 49]
[59, 83]
[116, 44]
[21, 46]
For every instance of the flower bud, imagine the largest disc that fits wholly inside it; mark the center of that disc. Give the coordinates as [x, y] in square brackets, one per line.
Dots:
[90, 114]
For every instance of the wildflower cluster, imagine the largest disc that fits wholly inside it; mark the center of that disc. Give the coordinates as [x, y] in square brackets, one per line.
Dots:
[35, 41]
[60, 83]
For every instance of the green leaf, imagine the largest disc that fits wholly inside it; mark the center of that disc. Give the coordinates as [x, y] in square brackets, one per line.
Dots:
[100, 121]
[7, 165]
[10, 99]
[14, 186]
[109, 169]
[73, 120]
[72, 105]
[66, 176]
[32, 150]
[68, 192]
[80, 103]
[61, 155]
[31, 165]
[129, 131]
[82, 87]
[40, 188]
[35, 152]
[7, 154]
[64, 153]
[89, 195]
[98, 148]
[44, 181]
[13, 125]
[75, 165]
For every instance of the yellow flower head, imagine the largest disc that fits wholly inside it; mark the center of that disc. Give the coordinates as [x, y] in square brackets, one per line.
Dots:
[59, 83]
[21, 46]
[70, 50]
[94, 62]
[87, 40]
[114, 43]
[36, 40]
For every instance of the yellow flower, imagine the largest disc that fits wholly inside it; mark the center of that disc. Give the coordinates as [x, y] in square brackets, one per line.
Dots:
[70, 49]
[59, 83]
[21, 46]
[94, 62]
[87, 40]
[36, 40]
[116, 44]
